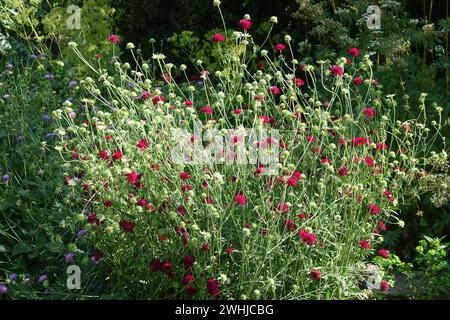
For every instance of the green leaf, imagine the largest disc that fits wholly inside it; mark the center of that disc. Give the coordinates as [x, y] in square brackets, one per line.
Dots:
[20, 248]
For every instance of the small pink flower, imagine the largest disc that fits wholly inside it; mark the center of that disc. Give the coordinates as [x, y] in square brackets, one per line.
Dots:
[384, 285]
[280, 47]
[240, 199]
[315, 274]
[184, 176]
[245, 24]
[370, 112]
[374, 209]
[383, 253]
[354, 52]
[207, 110]
[218, 38]
[364, 244]
[142, 144]
[113, 38]
[358, 81]
[275, 90]
[336, 71]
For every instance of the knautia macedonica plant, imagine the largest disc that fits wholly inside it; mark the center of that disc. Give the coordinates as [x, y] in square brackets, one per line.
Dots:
[300, 227]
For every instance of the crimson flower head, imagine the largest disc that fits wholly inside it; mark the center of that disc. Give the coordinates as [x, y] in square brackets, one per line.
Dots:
[383, 253]
[308, 238]
[188, 261]
[354, 52]
[117, 155]
[384, 285]
[127, 226]
[145, 95]
[336, 71]
[207, 110]
[113, 38]
[370, 112]
[157, 99]
[184, 176]
[245, 24]
[230, 250]
[240, 199]
[364, 244]
[275, 90]
[188, 279]
[280, 47]
[218, 38]
[103, 154]
[133, 177]
[358, 81]
[315, 274]
[142, 144]
[213, 287]
[374, 209]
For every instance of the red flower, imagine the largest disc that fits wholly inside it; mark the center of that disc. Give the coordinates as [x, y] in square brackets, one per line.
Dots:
[383, 253]
[384, 286]
[343, 171]
[315, 274]
[205, 247]
[292, 182]
[184, 176]
[113, 38]
[142, 144]
[133, 177]
[389, 195]
[230, 250]
[190, 291]
[127, 226]
[310, 139]
[156, 265]
[103, 154]
[218, 38]
[280, 47]
[207, 110]
[240, 199]
[108, 203]
[157, 99]
[358, 141]
[369, 161]
[290, 225]
[308, 238]
[382, 226]
[370, 112]
[188, 103]
[213, 287]
[188, 261]
[245, 24]
[382, 146]
[98, 56]
[374, 209]
[299, 82]
[275, 90]
[142, 202]
[358, 81]
[145, 95]
[336, 71]
[354, 52]
[364, 244]
[117, 155]
[188, 279]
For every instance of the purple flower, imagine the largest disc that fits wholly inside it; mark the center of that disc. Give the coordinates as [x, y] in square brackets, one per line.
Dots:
[43, 278]
[50, 135]
[13, 277]
[21, 137]
[69, 99]
[3, 289]
[81, 233]
[69, 257]
[72, 114]
[5, 178]
[33, 56]
[9, 66]
[45, 117]
[73, 83]
[49, 76]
